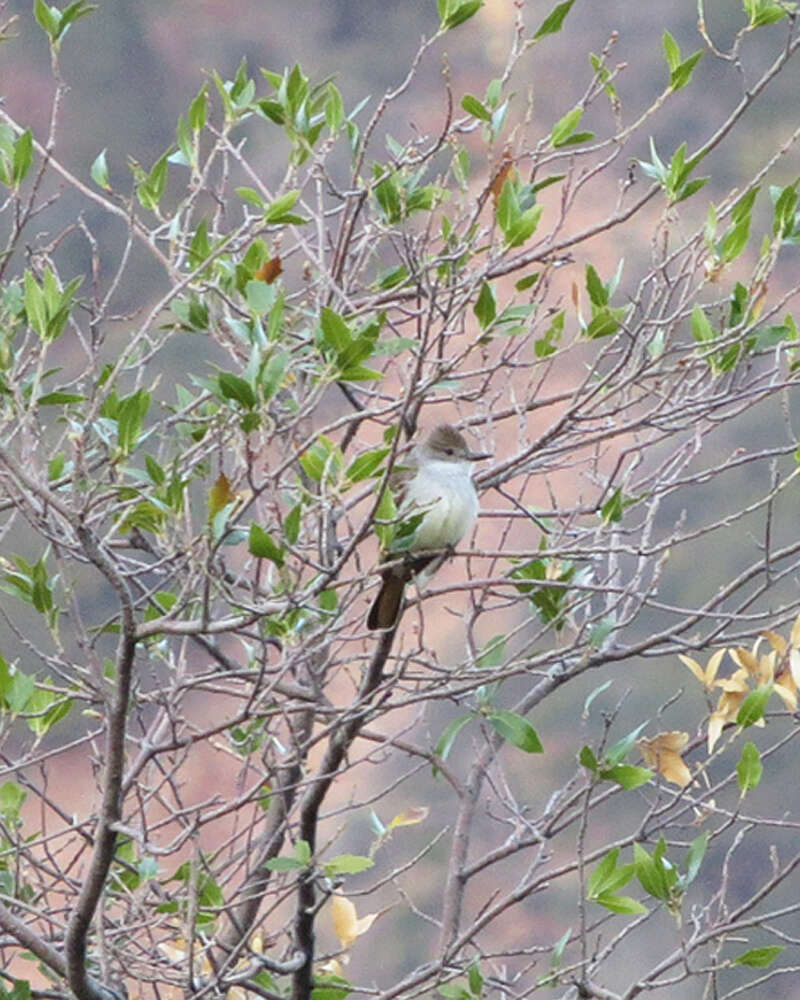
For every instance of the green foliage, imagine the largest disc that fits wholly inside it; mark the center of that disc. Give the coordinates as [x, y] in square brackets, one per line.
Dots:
[554, 21]
[55, 22]
[749, 770]
[754, 705]
[455, 12]
[764, 12]
[564, 131]
[516, 213]
[606, 879]
[759, 958]
[674, 176]
[546, 587]
[680, 70]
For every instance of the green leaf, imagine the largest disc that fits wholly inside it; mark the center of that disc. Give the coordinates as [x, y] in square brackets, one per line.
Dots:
[347, 864]
[620, 750]
[564, 133]
[516, 730]
[607, 877]
[598, 293]
[680, 70]
[99, 171]
[328, 988]
[59, 398]
[283, 864]
[131, 412]
[548, 343]
[47, 17]
[753, 707]
[735, 239]
[655, 874]
[588, 759]
[457, 13]
[23, 157]
[334, 108]
[694, 857]
[260, 296]
[335, 332]
[198, 110]
[236, 388]
[291, 524]
[627, 775]
[554, 20]
[493, 653]
[263, 545]
[671, 51]
[703, 332]
[486, 307]
[150, 190]
[11, 800]
[475, 979]
[366, 464]
[448, 737]
[749, 769]
[619, 904]
[475, 108]
[613, 508]
[251, 196]
[278, 211]
[764, 12]
[759, 958]
[322, 460]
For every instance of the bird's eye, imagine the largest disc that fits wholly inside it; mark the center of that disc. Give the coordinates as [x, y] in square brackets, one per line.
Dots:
[449, 451]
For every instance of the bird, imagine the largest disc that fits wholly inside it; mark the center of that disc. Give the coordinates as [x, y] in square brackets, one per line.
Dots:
[437, 484]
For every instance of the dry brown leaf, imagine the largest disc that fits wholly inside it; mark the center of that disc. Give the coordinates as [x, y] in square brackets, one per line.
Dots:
[663, 752]
[269, 270]
[220, 495]
[504, 172]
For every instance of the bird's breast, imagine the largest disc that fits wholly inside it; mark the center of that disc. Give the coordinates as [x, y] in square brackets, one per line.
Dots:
[451, 503]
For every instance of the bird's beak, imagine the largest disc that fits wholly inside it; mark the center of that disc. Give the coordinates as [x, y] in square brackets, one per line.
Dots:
[478, 456]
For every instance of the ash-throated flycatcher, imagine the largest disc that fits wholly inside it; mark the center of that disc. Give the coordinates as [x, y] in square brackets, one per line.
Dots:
[437, 482]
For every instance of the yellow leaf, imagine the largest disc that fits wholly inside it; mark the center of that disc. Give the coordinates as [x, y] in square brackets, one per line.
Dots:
[745, 659]
[344, 919]
[777, 642]
[664, 753]
[694, 666]
[333, 967]
[220, 495]
[713, 666]
[363, 924]
[408, 817]
[708, 675]
[716, 723]
[347, 925]
[794, 638]
[786, 690]
[794, 664]
[736, 684]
